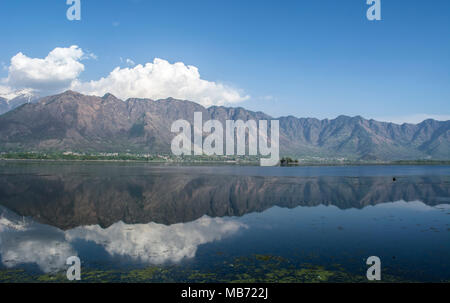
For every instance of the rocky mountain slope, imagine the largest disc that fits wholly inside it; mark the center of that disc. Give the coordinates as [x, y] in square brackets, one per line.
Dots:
[75, 122]
[22, 98]
[4, 106]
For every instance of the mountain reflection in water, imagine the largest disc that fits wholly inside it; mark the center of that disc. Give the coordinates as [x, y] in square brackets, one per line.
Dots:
[154, 215]
[70, 196]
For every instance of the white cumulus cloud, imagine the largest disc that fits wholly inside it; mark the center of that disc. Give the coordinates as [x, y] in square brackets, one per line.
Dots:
[53, 73]
[159, 80]
[61, 68]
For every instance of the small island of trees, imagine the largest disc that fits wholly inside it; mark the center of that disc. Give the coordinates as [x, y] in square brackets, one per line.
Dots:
[286, 161]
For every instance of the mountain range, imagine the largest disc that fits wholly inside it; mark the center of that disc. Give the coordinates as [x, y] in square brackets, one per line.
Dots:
[21, 98]
[75, 122]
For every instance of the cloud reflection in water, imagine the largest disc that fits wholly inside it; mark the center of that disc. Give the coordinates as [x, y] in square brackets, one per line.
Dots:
[25, 241]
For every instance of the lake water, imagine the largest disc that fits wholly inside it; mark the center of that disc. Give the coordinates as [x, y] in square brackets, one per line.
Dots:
[165, 223]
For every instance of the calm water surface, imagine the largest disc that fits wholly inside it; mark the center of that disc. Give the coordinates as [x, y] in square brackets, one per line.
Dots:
[224, 223]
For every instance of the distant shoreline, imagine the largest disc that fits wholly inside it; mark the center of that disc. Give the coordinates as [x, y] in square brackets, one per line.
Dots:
[231, 162]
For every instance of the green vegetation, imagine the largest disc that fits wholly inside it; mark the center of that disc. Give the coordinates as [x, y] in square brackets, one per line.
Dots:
[286, 161]
[168, 158]
[422, 162]
[69, 156]
[75, 156]
[137, 130]
[249, 269]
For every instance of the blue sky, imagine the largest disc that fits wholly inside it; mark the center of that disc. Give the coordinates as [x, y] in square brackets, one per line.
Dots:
[310, 58]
